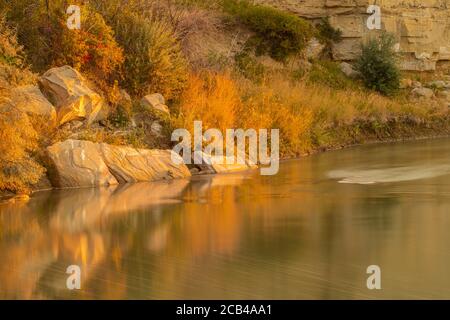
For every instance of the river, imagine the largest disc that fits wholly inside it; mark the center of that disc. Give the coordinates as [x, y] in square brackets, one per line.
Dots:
[309, 232]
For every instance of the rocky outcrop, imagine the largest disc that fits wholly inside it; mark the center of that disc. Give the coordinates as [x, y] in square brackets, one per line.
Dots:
[76, 163]
[421, 27]
[30, 100]
[155, 102]
[70, 93]
[128, 164]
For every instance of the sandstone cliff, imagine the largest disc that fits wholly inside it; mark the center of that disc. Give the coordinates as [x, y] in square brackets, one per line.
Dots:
[422, 27]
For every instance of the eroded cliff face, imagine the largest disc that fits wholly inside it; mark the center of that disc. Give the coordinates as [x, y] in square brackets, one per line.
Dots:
[422, 27]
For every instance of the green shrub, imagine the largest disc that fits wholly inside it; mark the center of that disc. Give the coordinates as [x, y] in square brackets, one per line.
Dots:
[328, 73]
[153, 57]
[377, 64]
[328, 35]
[249, 67]
[278, 33]
[92, 49]
[327, 32]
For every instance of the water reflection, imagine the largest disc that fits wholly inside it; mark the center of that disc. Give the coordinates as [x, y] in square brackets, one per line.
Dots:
[299, 234]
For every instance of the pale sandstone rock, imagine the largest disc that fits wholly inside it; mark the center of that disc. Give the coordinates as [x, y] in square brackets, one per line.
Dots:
[71, 95]
[128, 164]
[423, 92]
[76, 163]
[155, 102]
[348, 70]
[30, 100]
[218, 164]
[439, 84]
[156, 128]
[314, 49]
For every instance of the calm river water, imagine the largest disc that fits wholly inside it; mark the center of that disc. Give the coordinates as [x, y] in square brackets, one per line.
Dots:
[309, 232]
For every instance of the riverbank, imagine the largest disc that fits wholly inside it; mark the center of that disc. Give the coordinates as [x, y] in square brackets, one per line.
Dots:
[347, 137]
[425, 133]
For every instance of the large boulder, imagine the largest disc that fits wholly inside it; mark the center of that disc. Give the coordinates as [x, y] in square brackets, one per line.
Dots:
[75, 163]
[128, 164]
[29, 99]
[69, 91]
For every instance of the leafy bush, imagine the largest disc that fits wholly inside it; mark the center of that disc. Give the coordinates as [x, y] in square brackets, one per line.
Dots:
[278, 33]
[92, 49]
[48, 42]
[377, 64]
[327, 32]
[153, 58]
[249, 66]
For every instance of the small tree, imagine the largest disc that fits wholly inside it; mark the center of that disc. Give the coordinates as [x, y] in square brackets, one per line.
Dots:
[278, 34]
[328, 35]
[378, 64]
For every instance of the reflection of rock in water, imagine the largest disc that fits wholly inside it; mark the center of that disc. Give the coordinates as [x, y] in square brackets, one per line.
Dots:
[85, 208]
[35, 253]
[203, 184]
[373, 176]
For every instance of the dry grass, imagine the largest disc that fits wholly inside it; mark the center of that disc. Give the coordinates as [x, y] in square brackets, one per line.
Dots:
[197, 29]
[305, 114]
[212, 98]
